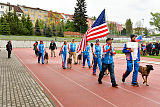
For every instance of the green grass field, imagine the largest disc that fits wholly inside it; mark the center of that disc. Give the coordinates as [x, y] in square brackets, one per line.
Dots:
[157, 57]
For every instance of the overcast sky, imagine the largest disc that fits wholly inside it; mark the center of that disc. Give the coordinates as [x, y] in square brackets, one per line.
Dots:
[116, 10]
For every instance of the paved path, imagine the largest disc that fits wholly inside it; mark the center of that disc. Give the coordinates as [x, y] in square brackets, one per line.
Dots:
[79, 88]
[17, 87]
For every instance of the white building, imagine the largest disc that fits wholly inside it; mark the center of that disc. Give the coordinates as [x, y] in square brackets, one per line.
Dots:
[4, 8]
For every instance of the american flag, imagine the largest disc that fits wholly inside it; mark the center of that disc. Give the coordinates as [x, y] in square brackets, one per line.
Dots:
[98, 30]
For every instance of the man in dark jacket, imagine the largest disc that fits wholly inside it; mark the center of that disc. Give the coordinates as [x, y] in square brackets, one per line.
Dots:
[9, 48]
[52, 47]
[157, 48]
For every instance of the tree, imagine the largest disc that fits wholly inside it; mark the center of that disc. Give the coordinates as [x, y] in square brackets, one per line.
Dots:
[45, 29]
[129, 28]
[48, 32]
[80, 17]
[61, 33]
[69, 26]
[5, 29]
[155, 20]
[29, 26]
[146, 32]
[139, 27]
[37, 28]
[123, 32]
[41, 24]
[53, 30]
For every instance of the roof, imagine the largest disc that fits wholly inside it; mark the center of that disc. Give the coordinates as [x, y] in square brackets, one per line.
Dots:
[34, 8]
[18, 9]
[7, 4]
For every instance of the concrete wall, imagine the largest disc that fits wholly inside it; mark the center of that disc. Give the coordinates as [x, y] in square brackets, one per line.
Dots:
[29, 44]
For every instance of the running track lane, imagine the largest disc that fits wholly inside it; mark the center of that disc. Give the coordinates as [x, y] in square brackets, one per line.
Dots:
[77, 87]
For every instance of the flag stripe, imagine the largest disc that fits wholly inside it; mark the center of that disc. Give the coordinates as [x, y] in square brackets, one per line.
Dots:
[100, 36]
[98, 32]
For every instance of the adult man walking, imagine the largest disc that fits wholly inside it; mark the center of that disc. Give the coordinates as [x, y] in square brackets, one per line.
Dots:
[86, 55]
[72, 50]
[41, 52]
[132, 57]
[97, 57]
[9, 48]
[107, 62]
[52, 47]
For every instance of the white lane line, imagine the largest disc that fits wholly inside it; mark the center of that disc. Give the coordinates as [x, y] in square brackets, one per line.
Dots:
[41, 82]
[81, 86]
[126, 90]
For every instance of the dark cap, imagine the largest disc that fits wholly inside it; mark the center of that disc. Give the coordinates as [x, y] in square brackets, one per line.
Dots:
[97, 40]
[109, 39]
[132, 35]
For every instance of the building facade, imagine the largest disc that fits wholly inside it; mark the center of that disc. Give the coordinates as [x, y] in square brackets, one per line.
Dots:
[35, 13]
[4, 8]
[54, 18]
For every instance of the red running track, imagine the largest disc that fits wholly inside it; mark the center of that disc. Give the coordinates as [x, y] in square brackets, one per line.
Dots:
[78, 88]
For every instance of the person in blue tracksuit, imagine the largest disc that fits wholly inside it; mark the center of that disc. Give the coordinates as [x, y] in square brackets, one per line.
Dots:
[72, 50]
[97, 57]
[41, 52]
[86, 55]
[63, 52]
[130, 61]
[107, 62]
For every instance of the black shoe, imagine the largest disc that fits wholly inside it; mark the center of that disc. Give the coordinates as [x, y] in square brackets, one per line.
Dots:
[42, 63]
[114, 85]
[99, 81]
[75, 63]
[135, 84]
[64, 68]
[90, 67]
[123, 79]
[39, 62]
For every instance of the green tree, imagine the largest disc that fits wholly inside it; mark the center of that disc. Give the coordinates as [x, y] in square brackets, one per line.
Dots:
[37, 28]
[129, 28]
[69, 26]
[45, 29]
[155, 20]
[123, 32]
[29, 26]
[61, 33]
[53, 30]
[48, 32]
[80, 17]
[146, 32]
[41, 24]
[5, 29]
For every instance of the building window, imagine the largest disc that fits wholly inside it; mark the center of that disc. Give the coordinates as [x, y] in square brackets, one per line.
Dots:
[10, 8]
[33, 21]
[19, 15]
[2, 7]
[39, 16]
[32, 11]
[26, 15]
[39, 11]
[32, 15]
[26, 10]
[45, 17]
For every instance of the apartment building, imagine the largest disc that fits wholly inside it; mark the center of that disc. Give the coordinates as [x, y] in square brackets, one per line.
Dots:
[54, 18]
[35, 13]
